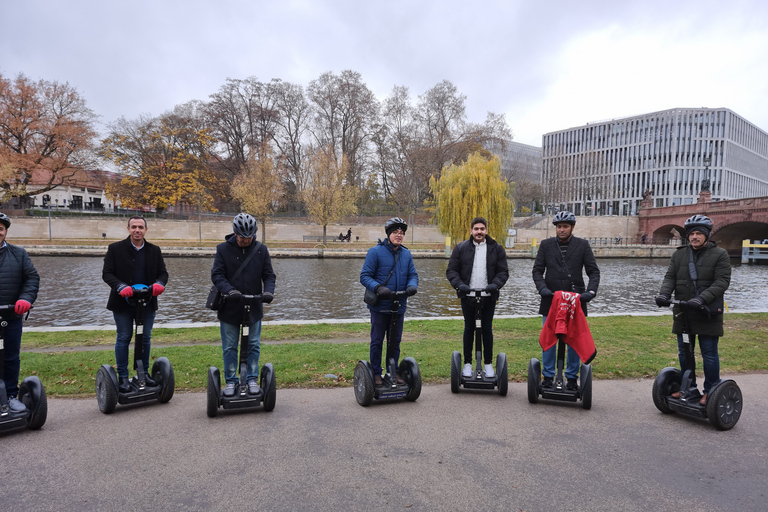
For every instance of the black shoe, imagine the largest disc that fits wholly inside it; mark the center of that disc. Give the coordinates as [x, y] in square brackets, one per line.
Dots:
[148, 381]
[125, 385]
[571, 385]
[547, 382]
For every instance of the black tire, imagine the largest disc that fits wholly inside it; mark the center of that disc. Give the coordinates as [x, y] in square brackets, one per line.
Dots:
[455, 371]
[409, 371]
[585, 387]
[32, 395]
[666, 382]
[106, 392]
[363, 384]
[269, 387]
[162, 373]
[502, 372]
[213, 392]
[534, 376]
[724, 404]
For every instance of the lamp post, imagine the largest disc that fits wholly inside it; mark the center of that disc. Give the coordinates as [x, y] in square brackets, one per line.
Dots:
[49, 221]
[705, 183]
[626, 203]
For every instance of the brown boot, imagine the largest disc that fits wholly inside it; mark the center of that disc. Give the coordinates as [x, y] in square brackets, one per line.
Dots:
[378, 381]
[703, 400]
[676, 394]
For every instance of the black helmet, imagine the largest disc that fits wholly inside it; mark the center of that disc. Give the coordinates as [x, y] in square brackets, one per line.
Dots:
[5, 220]
[244, 225]
[698, 223]
[395, 223]
[564, 217]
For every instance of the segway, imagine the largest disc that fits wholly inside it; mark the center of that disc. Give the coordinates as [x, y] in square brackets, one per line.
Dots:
[366, 390]
[243, 399]
[478, 379]
[108, 393]
[559, 391]
[724, 402]
[31, 391]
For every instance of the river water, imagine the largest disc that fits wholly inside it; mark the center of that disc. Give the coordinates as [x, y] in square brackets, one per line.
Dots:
[72, 292]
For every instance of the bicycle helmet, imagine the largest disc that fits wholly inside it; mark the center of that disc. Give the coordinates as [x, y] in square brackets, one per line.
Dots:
[244, 225]
[5, 220]
[567, 217]
[395, 223]
[698, 223]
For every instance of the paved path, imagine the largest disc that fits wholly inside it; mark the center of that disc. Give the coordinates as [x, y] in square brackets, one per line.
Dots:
[319, 450]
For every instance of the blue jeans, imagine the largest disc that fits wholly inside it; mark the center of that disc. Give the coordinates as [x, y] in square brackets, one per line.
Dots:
[12, 343]
[380, 329]
[708, 347]
[124, 325]
[549, 358]
[230, 340]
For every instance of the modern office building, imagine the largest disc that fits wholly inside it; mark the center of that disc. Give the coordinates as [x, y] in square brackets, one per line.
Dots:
[608, 167]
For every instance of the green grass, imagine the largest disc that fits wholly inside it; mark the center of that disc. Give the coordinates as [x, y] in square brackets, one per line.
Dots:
[628, 347]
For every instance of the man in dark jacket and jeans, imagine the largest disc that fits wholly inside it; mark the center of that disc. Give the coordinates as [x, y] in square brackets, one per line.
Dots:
[19, 283]
[479, 262]
[257, 272]
[558, 267]
[129, 262]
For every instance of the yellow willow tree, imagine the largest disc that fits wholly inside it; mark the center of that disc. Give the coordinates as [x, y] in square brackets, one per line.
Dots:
[327, 196]
[259, 189]
[472, 189]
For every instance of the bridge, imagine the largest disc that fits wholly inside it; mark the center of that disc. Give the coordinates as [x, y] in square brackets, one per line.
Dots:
[735, 220]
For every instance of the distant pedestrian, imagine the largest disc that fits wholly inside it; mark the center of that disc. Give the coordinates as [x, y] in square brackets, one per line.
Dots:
[349, 235]
[643, 238]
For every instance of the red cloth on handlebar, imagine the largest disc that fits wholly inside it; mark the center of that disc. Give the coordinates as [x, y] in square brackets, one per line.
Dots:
[567, 318]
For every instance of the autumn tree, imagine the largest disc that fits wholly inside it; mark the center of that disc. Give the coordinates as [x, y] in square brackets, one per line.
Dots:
[46, 129]
[328, 197]
[165, 161]
[472, 189]
[259, 190]
[290, 138]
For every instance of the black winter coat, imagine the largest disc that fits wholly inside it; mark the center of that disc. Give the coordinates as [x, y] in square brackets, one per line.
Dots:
[229, 257]
[119, 268]
[550, 272]
[18, 277]
[463, 259]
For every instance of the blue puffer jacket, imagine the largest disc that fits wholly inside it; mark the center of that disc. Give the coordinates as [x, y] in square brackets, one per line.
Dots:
[18, 277]
[378, 263]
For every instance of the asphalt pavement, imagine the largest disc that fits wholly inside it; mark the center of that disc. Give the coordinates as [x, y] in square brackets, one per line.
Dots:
[320, 450]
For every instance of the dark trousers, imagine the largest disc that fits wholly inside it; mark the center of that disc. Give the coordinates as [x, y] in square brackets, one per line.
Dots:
[380, 329]
[486, 315]
[12, 342]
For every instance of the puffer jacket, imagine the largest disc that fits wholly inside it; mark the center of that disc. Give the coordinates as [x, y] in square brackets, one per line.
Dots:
[18, 277]
[713, 267]
[378, 262]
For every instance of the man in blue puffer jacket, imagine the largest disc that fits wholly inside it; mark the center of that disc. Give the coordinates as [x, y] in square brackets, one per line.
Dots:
[19, 282]
[388, 268]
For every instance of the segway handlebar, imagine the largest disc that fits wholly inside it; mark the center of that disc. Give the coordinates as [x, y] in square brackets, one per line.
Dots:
[682, 304]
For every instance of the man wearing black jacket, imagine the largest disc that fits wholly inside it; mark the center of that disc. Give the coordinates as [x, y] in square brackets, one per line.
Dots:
[477, 263]
[129, 262]
[558, 267]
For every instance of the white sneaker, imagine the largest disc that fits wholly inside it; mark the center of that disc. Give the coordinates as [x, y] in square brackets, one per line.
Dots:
[489, 371]
[467, 370]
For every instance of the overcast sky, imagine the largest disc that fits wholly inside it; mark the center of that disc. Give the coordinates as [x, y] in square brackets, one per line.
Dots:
[546, 64]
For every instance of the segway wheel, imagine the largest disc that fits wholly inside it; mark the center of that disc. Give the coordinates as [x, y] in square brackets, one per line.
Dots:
[162, 373]
[106, 393]
[213, 392]
[455, 371]
[363, 383]
[534, 376]
[724, 405]
[666, 382]
[502, 373]
[409, 371]
[32, 395]
[269, 386]
[585, 387]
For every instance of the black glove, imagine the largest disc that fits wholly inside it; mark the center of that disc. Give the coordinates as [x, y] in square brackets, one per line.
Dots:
[234, 293]
[546, 292]
[383, 292]
[492, 287]
[696, 303]
[463, 289]
[587, 296]
[662, 300]
[267, 297]
[410, 290]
